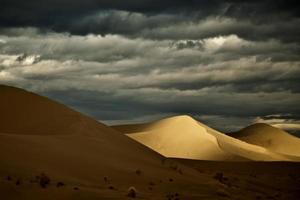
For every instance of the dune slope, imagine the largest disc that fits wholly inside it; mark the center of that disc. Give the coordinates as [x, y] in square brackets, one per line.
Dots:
[38, 135]
[179, 137]
[24, 112]
[271, 138]
[184, 137]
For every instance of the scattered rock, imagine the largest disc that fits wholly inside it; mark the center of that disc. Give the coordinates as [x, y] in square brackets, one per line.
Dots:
[131, 192]
[8, 178]
[138, 172]
[219, 176]
[172, 196]
[151, 183]
[111, 187]
[18, 182]
[44, 180]
[180, 171]
[105, 178]
[60, 184]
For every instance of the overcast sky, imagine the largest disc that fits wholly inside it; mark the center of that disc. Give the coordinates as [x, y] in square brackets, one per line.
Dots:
[227, 63]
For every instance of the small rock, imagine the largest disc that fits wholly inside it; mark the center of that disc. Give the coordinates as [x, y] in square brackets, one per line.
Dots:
[60, 184]
[131, 192]
[76, 188]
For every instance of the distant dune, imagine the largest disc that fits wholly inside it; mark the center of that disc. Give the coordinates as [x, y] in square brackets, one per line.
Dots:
[184, 137]
[271, 138]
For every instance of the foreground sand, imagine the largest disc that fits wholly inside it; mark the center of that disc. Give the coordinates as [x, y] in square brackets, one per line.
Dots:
[41, 141]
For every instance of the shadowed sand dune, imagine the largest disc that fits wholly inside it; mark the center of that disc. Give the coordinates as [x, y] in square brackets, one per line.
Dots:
[38, 135]
[184, 137]
[270, 137]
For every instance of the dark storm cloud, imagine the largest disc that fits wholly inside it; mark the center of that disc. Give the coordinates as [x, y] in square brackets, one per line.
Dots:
[177, 19]
[227, 63]
[48, 13]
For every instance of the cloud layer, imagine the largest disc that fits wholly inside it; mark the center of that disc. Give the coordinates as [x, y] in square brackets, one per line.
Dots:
[227, 63]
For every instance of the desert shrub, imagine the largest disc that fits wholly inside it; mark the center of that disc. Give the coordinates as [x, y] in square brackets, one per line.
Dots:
[111, 187]
[151, 183]
[18, 182]
[76, 188]
[59, 184]
[8, 178]
[44, 180]
[105, 178]
[171, 180]
[219, 176]
[173, 196]
[138, 172]
[131, 192]
[180, 171]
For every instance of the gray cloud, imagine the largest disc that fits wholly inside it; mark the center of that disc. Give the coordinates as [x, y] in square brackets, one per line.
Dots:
[227, 63]
[176, 19]
[288, 122]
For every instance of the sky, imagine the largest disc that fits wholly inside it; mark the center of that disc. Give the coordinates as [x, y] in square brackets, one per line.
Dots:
[227, 63]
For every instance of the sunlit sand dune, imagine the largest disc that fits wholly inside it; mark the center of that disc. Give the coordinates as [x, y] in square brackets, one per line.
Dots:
[184, 137]
[271, 138]
[179, 137]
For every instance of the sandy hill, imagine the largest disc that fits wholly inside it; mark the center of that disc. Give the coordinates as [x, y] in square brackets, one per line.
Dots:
[178, 137]
[24, 112]
[271, 138]
[184, 137]
[38, 135]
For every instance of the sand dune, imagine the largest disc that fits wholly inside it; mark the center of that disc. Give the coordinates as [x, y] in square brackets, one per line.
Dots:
[24, 112]
[179, 137]
[85, 159]
[271, 138]
[39, 135]
[184, 137]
